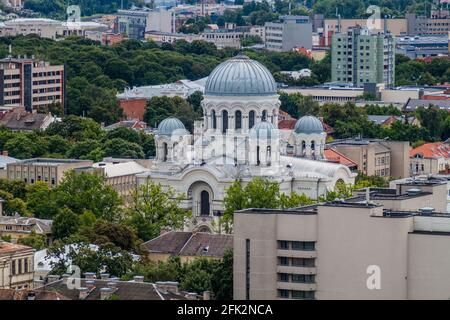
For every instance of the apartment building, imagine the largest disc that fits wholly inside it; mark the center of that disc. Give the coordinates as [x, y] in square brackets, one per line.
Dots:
[359, 248]
[31, 83]
[135, 22]
[376, 157]
[42, 169]
[438, 23]
[288, 33]
[359, 57]
[17, 227]
[430, 158]
[16, 266]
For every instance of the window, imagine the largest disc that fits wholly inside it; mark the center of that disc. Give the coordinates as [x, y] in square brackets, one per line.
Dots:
[224, 121]
[302, 262]
[238, 120]
[214, 119]
[13, 267]
[303, 245]
[284, 245]
[303, 278]
[25, 265]
[251, 119]
[20, 265]
[302, 294]
[283, 261]
[283, 277]
[282, 293]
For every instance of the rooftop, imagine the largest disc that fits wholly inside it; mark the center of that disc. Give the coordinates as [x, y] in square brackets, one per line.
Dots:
[431, 150]
[40, 226]
[190, 244]
[7, 248]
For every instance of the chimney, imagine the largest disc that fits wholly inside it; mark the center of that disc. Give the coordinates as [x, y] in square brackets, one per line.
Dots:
[138, 279]
[65, 276]
[104, 275]
[89, 275]
[105, 293]
[5, 153]
[31, 295]
[90, 284]
[191, 296]
[206, 295]
[171, 286]
[83, 293]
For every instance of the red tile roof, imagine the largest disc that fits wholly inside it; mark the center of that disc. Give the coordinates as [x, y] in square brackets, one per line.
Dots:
[432, 150]
[334, 156]
[287, 124]
[7, 248]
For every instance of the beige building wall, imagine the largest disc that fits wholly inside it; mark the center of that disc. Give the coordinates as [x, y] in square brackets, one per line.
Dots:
[395, 26]
[17, 280]
[428, 266]
[399, 162]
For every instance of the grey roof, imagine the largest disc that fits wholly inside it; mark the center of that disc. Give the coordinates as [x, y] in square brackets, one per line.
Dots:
[263, 130]
[190, 244]
[413, 104]
[4, 160]
[378, 119]
[240, 76]
[169, 125]
[40, 226]
[24, 120]
[308, 124]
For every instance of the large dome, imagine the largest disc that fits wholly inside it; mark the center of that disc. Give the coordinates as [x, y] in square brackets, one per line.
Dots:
[240, 76]
[169, 125]
[308, 125]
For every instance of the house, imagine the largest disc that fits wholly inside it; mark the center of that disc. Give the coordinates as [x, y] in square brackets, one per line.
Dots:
[430, 158]
[17, 227]
[187, 245]
[26, 121]
[332, 155]
[412, 104]
[16, 266]
[4, 160]
[387, 120]
[131, 124]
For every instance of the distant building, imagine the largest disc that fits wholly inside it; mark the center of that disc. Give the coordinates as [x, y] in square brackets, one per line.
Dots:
[26, 121]
[43, 169]
[437, 24]
[288, 33]
[412, 104]
[18, 227]
[4, 160]
[16, 266]
[430, 158]
[382, 158]
[226, 38]
[360, 57]
[331, 155]
[330, 251]
[422, 47]
[170, 37]
[131, 124]
[15, 4]
[105, 38]
[30, 83]
[187, 245]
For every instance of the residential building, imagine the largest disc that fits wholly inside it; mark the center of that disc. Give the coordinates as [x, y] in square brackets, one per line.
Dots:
[43, 169]
[106, 288]
[187, 245]
[430, 158]
[17, 227]
[437, 24]
[133, 101]
[226, 38]
[382, 158]
[16, 266]
[133, 23]
[387, 239]
[21, 120]
[332, 155]
[288, 33]
[422, 47]
[359, 57]
[387, 120]
[105, 38]
[31, 83]
[120, 175]
[412, 104]
[130, 124]
[171, 37]
[4, 160]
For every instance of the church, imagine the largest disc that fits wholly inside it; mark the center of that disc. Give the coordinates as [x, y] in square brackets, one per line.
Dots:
[238, 139]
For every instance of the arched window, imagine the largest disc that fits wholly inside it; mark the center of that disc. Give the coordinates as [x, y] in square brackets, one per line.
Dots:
[214, 119]
[238, 121]
[164, 158]
[251, 119]
[264, 115]
[269, 155]
[224, 121]
[313, 148]
[204, 203]
[303, 151]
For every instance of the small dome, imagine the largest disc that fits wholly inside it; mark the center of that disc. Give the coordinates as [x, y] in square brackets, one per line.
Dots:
[308, 124]
[240, 76]
[263, 130]
[169, 125]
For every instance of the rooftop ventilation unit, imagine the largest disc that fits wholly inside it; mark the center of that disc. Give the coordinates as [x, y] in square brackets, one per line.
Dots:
[426, 211]
[413, 191]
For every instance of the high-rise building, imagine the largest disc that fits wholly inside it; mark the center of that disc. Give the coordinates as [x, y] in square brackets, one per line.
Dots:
[359, 57]
[288, 33]
[380, 244]
[30, 83]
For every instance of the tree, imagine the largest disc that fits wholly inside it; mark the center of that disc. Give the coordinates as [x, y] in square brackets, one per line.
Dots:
[41, 200]
[153, 208]
[36, 241]
[120, 148]
[87, 191]
[295, 200]
[222, 278]
[119, 235]
[65, 223]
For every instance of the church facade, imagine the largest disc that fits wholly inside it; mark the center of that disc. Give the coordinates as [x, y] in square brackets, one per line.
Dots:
[238, 139]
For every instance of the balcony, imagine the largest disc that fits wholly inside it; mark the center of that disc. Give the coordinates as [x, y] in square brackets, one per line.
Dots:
[296, 270]
[297, 286]
[297, 253]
